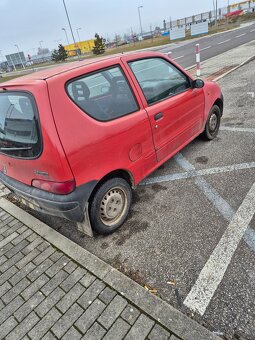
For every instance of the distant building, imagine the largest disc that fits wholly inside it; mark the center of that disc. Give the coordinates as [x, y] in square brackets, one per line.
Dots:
[40, 58]
[85, 46]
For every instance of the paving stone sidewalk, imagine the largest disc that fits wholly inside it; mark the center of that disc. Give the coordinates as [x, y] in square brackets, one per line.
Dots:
[52, 288]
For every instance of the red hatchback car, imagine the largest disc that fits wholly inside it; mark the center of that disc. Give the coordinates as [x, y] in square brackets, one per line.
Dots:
[76, 138]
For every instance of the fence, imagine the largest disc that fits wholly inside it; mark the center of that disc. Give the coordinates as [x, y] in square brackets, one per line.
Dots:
[211, 15]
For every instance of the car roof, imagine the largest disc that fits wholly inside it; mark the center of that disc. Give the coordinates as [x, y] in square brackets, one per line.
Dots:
[49, 72]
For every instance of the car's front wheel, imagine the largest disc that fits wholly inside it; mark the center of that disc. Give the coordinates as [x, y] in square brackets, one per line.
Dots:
[213, 123]
[110, 205]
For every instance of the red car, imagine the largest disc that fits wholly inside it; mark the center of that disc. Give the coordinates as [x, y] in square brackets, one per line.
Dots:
[234, 13]
[75, 139]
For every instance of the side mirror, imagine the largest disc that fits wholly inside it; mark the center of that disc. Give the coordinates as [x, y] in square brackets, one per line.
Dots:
[198, 84]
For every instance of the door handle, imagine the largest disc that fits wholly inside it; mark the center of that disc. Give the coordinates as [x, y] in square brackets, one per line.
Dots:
[158, 116]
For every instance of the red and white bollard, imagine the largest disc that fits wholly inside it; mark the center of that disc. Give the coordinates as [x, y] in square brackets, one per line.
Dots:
[198, 60]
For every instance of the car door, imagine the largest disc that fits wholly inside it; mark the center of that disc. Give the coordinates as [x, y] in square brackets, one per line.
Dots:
[175, 109]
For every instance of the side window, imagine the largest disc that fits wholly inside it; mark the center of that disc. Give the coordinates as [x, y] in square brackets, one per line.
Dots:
[104, 95]
[159, 79]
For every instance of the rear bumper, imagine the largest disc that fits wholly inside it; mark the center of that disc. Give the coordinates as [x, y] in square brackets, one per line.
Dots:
[70, 207]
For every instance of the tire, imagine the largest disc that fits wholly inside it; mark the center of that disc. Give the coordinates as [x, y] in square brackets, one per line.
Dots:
[110, 206]
[213, 123]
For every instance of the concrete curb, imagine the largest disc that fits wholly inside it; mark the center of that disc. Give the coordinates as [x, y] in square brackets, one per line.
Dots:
[166, 315]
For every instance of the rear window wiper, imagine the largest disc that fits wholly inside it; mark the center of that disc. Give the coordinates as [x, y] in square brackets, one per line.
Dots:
[16, 149]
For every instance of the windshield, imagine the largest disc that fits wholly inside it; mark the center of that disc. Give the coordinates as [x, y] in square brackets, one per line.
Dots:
[19, 128]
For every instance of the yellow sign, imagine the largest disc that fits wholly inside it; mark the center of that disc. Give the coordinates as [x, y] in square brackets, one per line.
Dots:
[84, 46]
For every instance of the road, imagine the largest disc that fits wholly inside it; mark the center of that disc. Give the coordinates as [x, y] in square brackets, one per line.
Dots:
[184, 53]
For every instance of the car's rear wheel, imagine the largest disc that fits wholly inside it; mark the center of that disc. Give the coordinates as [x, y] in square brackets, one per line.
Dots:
[110, 205]
[213, 123]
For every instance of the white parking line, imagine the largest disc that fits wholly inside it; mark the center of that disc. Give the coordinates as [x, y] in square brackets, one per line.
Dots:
[222, 42]
[205, 48]
[214, 197]
[236, 129]
[238, 36]
[195, 173]
[213, 272]
[252, 30]
[182, 56]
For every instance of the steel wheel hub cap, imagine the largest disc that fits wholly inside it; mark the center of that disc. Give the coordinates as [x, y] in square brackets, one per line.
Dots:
[213, 122]
[113, 206]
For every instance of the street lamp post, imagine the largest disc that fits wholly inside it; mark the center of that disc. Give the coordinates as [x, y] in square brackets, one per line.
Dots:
[139, 7]
[69, 22]
[77, 30]
[215, 9]
[227, 11]
[79, 39]
[66, 36]
[216, 12]
[20, 56]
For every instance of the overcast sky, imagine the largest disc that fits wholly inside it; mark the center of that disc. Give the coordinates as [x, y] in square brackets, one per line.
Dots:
[26, 22]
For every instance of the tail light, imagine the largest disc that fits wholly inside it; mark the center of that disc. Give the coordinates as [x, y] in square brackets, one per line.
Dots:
[60, 188]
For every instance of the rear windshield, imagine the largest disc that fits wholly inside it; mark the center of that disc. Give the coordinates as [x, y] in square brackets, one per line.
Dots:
[19, 126]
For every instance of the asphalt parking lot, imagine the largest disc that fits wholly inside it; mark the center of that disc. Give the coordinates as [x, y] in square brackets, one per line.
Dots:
[181, 212]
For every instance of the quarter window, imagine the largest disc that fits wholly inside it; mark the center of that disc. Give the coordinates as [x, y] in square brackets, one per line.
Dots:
[159, 79]
[19, 125]
[104, 95]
